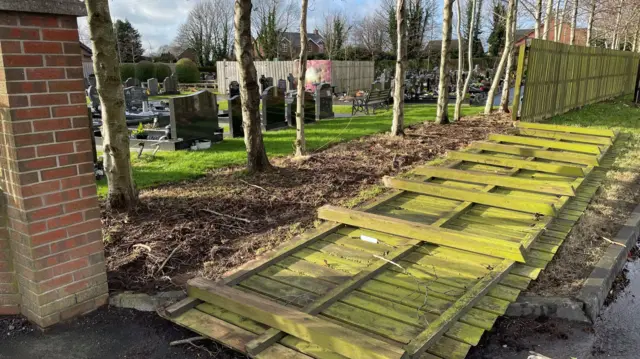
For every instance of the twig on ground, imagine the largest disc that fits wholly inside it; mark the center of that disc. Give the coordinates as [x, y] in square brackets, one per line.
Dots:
[186, 341]
[167, 259]
[253, 185]
[225, 215]
[612, 242]
[144, 246]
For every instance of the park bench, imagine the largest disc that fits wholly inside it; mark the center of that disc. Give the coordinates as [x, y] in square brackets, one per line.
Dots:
[372, 100]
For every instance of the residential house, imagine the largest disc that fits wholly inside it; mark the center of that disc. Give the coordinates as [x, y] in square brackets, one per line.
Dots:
[190, 54]
[522, 35]
[290, 45]
[87, 59]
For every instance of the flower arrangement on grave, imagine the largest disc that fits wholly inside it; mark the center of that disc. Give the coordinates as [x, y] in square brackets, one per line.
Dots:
[140, 133]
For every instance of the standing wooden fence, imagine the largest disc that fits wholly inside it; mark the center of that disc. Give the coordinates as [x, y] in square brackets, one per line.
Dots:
[560, 77]
[346, 76]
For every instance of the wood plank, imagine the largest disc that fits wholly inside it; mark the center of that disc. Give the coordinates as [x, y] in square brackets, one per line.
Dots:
[239, 274]
[571, 157]
[436, 329]
[533, 185]
[273, 335]
[430, 234]
[301, 325]
[568, 129]
[563, 136]
[181, 306]
[490, 199]
[575, 147]
[564, 170]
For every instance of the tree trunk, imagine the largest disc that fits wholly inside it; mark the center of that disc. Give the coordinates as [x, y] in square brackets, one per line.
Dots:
[592, 13]
[249, 94]
[547, 20]
[558, 23]
[503, 59]
[634, 46]
[538, 16]
[300, 143]
[574, 20]
[506, 84]
[461, 89]
[397, 126]
[614, 42]
[442, 115]
[117, 157]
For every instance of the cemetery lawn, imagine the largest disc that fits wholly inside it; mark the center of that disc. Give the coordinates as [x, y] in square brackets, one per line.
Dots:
[168, 167]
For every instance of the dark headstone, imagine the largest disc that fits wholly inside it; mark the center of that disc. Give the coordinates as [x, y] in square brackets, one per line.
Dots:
[234, 89]
[152, 85]
[135, 98]
[195, 117]
[324, 101]
[269, 82]
[273, 108]
[263, 83]
[170, 85]
[92, 80]
[93, 138]
[282, 84]
[377, 85]
[131, 82]
[86, 83]
[235, 117]
[94, 98]
[309, 108]
[291, 81]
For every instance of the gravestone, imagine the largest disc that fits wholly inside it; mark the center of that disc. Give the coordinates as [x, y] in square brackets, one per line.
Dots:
[86, 83]
[234, 89]
[309, 108]
[152, 85]
[235, 116]
[269, 82]
[282, 84]
[92, 80]
[94, 98]
[273, 108]
[377, 85]
[263, 83]
[170, 85]
[131, 82]
[195, 117]
[135, 98]
[324, 101]
[292, 82]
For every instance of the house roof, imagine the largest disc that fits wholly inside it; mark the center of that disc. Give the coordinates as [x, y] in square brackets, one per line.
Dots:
[294, 38]
[436, 45]
[522, 33]
[86, 48]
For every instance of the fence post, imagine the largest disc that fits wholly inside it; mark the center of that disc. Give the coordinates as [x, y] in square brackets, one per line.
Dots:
[518, 84]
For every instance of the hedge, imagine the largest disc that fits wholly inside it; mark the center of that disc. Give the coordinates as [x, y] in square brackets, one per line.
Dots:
[126, 71]
[187, 71]
[145, 70]
[162, 71]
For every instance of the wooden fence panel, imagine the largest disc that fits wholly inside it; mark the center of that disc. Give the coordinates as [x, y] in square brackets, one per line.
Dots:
[561, 77]
[347, 76]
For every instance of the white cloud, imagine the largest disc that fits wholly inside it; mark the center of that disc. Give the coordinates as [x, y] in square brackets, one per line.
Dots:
[158, 20]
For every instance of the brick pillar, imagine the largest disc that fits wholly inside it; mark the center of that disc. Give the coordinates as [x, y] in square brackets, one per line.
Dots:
[53, 218]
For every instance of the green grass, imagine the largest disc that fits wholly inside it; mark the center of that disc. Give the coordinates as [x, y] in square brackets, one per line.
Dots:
[180, 165]
[617, 114]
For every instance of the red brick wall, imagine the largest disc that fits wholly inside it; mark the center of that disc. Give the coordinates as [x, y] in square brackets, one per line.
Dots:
[54, 219]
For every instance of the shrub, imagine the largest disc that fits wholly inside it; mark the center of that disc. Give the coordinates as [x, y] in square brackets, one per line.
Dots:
[145, 70]
[187, 71]
[162, 71]
[126, 71]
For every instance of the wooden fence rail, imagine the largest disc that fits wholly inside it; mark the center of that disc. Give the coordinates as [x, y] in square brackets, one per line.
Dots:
[560, 77]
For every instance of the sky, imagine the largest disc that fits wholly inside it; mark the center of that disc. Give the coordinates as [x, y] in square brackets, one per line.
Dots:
[158, 20]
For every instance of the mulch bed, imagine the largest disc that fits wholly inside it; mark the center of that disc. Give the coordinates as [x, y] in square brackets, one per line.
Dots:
[211, 225]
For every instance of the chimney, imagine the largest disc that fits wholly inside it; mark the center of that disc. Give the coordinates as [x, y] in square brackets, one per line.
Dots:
[316, 31]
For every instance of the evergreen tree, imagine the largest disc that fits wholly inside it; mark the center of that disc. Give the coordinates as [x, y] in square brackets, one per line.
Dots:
[269, 34]
[417, 17]
[393, 31]
[498, 33]
[129, 44]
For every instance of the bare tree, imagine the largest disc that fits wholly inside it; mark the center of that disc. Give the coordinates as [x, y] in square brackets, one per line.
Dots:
[574, 20]
[334, 32]
[559, 18]
[117, 158]
[397, 127]
[250, 96]
[371, 34]
[270, 20]
[208, 30]
[538, 18]
[300, 144]
[506, 83]
[547, 20]
[442, 112]
[461, 93]
[503, 59]
[592, 13]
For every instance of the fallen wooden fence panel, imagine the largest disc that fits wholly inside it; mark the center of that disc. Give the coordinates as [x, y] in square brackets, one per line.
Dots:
[421, 271]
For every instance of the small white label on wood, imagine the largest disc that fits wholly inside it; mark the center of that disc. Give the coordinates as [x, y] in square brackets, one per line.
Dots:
[368, 239]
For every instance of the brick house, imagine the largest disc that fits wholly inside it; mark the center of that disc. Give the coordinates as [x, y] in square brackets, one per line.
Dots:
[290, 45]
[522, 35]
